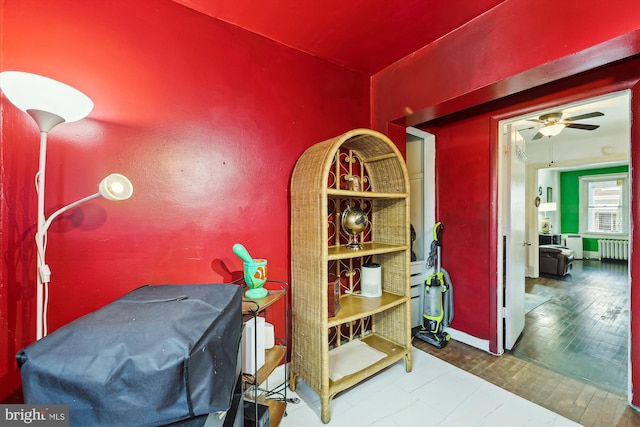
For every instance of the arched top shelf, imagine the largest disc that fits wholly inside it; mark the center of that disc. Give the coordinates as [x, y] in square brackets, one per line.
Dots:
[368, 154]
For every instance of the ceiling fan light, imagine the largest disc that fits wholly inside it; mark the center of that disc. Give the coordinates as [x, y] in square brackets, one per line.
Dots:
[552, 130]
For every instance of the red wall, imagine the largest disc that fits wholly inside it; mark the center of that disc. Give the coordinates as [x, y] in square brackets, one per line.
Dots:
[207, 120]
[466, 219]
[449, 86]
[517, 45]
[467, 157]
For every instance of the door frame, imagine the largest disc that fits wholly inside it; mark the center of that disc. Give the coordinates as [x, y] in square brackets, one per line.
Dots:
[532, 219]
[429, 184]
[505, 195]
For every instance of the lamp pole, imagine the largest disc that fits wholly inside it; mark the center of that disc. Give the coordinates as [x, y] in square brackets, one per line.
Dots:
[40, 261]
[46, 121]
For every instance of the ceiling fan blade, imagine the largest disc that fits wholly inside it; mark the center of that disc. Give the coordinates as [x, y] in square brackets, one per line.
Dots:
[584, 116]
[581, 126]
[537, 136]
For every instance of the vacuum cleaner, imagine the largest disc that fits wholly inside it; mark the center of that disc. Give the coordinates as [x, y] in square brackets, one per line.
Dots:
[438, 297]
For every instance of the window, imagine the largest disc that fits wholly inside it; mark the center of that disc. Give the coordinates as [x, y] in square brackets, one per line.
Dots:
[604, 204]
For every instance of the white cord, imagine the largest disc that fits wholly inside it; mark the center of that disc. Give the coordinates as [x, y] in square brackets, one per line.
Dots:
[40, 251]
[44, 309]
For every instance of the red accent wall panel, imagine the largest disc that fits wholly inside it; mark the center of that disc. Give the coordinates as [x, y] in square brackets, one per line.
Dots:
[462, 151]
[475, 133]
[448, 86]
[515, 46]
[207, 121]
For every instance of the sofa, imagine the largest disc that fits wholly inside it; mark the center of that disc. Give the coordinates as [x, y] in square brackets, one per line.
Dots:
[555, 259]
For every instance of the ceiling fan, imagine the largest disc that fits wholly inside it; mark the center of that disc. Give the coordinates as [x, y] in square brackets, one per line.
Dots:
[554, 123]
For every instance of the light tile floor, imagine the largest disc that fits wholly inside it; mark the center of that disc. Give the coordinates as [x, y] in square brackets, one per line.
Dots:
[435, 393]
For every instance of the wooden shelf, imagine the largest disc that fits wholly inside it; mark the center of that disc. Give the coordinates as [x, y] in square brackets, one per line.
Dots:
[272, 359]
[276, 411]
[258, 305]
[394, 352]
[364, 194]
[368, 248]
[353, 307]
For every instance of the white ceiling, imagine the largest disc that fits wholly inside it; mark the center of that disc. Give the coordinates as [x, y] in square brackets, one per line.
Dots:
[609, 144]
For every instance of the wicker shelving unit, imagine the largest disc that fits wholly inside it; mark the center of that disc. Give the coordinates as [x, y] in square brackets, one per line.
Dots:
[322, 188]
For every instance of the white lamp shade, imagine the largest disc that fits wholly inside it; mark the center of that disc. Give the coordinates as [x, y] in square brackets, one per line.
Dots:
[115, 187]
[552, 130]
[33, 92]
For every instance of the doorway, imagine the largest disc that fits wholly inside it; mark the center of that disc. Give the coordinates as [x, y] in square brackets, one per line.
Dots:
[580, 149]
[420, 160]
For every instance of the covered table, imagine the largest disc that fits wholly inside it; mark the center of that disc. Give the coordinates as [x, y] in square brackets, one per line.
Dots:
[157, 355]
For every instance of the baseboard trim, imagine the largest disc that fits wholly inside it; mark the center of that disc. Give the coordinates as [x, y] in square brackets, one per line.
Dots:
[465, 338]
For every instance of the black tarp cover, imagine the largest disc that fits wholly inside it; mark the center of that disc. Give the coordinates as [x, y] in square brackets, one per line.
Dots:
[157, 355]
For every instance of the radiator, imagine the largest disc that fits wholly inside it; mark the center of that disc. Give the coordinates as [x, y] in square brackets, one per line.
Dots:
[614, 249]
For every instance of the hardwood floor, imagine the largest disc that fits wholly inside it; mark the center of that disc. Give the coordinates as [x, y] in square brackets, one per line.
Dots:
[583, 330]
[571, 398]
[572, 355]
